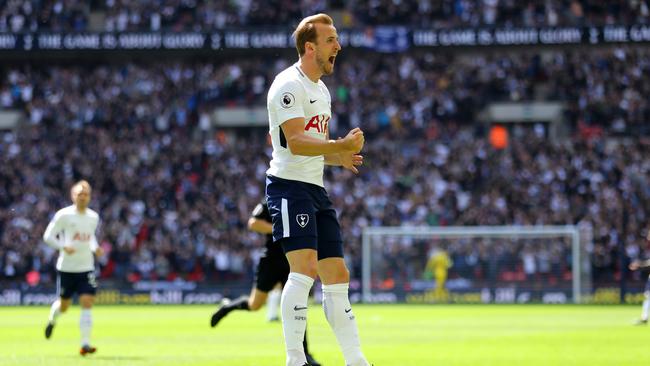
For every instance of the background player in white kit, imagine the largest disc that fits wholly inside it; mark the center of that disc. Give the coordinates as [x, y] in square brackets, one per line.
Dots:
[643, 265]
[304, 222]
[72, 231]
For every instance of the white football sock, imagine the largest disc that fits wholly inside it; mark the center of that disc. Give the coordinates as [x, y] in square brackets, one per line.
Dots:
[644, 309]
[341, 319]
[272, 304]
[55, 311]
[85, 325]
[294, 316]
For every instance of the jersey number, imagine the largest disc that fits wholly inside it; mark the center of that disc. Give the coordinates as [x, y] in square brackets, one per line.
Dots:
[92, 280]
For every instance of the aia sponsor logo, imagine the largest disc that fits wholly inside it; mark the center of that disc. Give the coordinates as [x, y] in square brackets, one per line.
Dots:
[81, 236]
[318, 123]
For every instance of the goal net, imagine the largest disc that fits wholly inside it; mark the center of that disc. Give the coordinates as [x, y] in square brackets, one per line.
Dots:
[480, 264]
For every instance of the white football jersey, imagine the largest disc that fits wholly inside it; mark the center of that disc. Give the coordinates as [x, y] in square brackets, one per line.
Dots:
[294, 95]
[76, 230]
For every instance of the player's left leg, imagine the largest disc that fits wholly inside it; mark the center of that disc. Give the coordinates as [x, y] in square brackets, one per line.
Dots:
[644, 308]
[336, 281]
[338, 311]
[87, 289]
[273, 303]
[86, 323]
[441, 279]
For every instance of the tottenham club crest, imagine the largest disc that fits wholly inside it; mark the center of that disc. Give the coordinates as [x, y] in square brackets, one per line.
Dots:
[302, 219]
[287, 100]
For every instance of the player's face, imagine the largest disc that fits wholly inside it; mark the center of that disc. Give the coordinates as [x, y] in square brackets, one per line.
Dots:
[327, 47]
[81, 196]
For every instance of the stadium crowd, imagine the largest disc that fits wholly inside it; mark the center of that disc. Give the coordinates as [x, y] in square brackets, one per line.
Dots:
[175, 194]
[196, 15]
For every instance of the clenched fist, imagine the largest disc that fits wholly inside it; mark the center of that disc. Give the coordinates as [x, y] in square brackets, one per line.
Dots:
[354, 140]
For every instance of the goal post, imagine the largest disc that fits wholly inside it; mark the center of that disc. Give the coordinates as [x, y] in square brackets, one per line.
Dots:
[567, 238]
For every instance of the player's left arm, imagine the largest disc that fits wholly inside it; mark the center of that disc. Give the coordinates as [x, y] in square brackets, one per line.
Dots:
[94, 244]
[348, 159]
[639, 264]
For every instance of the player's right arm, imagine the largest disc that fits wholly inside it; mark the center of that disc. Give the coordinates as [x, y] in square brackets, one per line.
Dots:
[301, 144]
[260, 226]
[257, 221]
[637, 264]
[53, 229]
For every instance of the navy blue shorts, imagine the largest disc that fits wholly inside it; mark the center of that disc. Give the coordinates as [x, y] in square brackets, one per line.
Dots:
[271, 270]
[303, 217]
[69, 283]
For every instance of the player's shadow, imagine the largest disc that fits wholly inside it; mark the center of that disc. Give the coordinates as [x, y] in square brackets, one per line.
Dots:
[114, 358]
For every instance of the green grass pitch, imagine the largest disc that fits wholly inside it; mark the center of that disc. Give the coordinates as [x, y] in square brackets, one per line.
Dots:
[400, 335]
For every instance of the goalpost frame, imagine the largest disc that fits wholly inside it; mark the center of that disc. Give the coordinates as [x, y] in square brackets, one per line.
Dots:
[512, 231]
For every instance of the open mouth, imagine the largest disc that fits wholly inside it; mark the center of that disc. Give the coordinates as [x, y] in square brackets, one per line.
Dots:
[331, 59]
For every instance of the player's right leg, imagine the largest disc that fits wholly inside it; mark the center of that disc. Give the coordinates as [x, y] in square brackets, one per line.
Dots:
[265, 280]
[58, 307]
[292, 209]
[248, 303]
[65, 287]
[293, 305]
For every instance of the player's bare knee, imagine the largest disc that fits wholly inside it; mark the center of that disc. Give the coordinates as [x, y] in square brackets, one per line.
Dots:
[307, 268]
[64, 305]
[342, 275]
[86, 302]
[255, 302]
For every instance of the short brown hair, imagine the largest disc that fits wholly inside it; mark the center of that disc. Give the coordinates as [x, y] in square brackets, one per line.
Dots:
[82, 183]
[306, 31]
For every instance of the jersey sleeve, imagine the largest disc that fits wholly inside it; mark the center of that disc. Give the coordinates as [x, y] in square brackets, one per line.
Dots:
[287, 101]
[93, 239]
[53, 229]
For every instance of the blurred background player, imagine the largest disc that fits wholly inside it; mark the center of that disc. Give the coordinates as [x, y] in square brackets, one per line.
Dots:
[272, 270]
[273, 303]
[72, 232]
[643, 265]
[437, 267]
[304, 221]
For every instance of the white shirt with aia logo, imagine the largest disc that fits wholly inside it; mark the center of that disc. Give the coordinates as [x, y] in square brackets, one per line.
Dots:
[70, 228]
[294, 95]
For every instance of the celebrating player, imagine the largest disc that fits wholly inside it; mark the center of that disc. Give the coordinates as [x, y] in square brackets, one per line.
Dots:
[304, 221]
[272, 269]
[72, 231]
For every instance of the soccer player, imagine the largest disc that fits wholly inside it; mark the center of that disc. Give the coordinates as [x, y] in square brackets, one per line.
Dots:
[272, 269]
[438, 265]
[72, 231]
[637, 264]
[304, 222]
